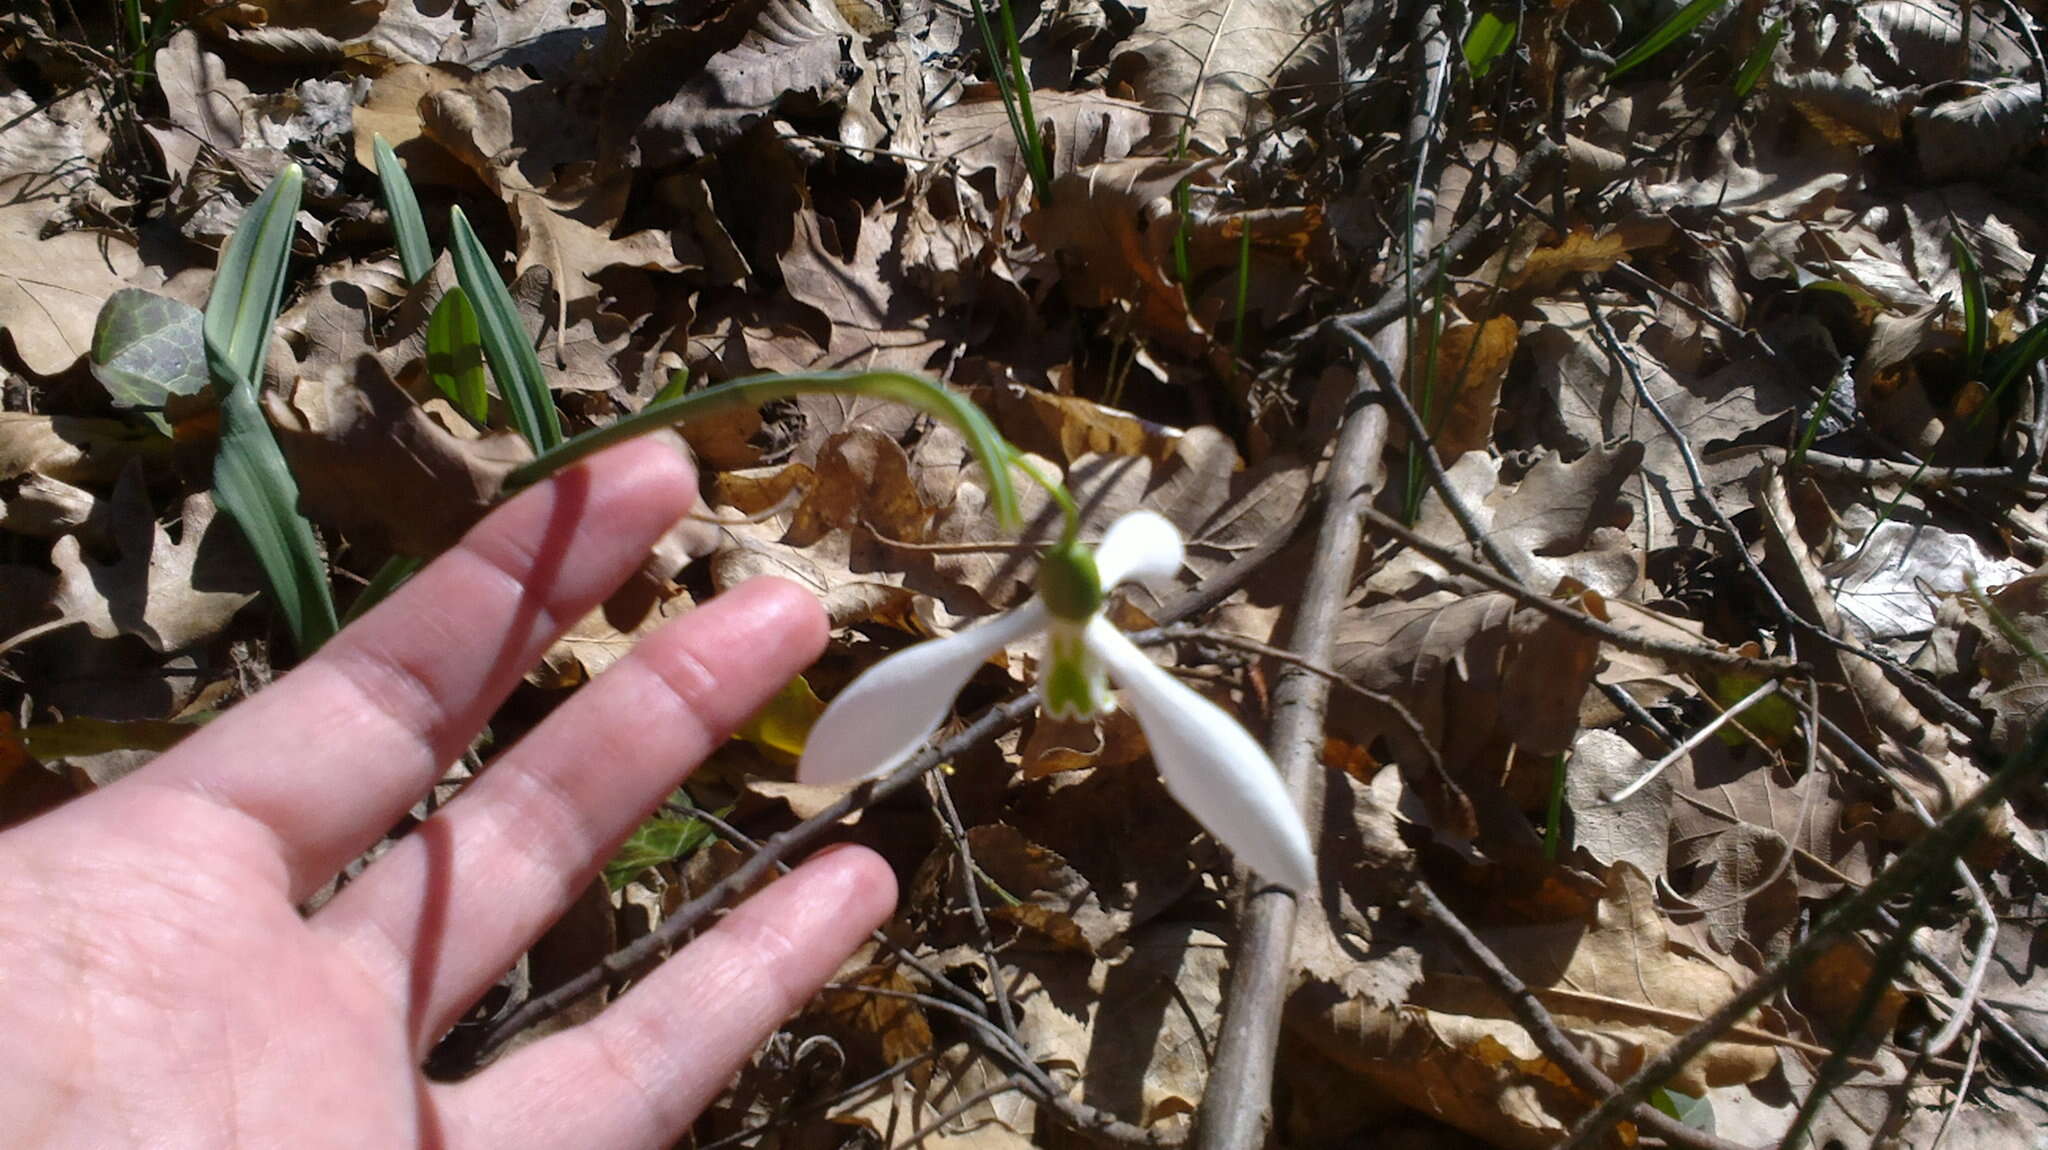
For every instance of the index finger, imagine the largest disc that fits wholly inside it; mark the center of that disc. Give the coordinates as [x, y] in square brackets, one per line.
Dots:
[332, 754]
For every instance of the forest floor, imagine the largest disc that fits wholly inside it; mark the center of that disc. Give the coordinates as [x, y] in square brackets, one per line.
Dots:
[1689, 359]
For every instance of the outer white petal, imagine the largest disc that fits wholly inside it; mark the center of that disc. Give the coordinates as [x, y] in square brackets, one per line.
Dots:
[1143, 546]
[1212, 765]
[888, 712]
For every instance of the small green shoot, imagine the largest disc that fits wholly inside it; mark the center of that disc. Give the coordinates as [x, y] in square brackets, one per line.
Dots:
[250, 479]
[1013, 83]
[1759, 60]
[1666, 34]
[415, 251]
[1489, 38]
[1976, 308]
[455, 356]
[2012, 362]
[506, 344]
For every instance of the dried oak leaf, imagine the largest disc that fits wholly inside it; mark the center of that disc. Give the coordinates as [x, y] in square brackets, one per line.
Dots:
[1614, 982]
[2013, 685]
[381, 467]
[1207, 67]
[170, 594]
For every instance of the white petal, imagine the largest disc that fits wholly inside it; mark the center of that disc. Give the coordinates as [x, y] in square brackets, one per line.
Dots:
[894, 706]
[1212, 765]
[1143, 546]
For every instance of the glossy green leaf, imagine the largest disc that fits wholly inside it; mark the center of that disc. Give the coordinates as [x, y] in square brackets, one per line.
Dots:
[147, 348]
[1752, 69]
[1666, 34]
[250, 479]
[506, 343]
[455, 356]
[1490, 36]
[661, 839]
[415, 251]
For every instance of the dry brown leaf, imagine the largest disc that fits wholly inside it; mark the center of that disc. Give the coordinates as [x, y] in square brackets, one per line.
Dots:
[169, 594]
[1471, 363]
[370, 460]
[1081, 128]
[1209, 66]
[894, 1027]
[1614, 983]
[793, 50]
[51, 287]
[72, 449]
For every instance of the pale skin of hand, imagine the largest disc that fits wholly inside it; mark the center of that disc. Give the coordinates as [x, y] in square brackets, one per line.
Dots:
[159, 987]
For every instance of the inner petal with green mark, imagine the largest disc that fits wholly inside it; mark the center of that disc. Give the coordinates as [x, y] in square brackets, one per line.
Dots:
[1074, 684]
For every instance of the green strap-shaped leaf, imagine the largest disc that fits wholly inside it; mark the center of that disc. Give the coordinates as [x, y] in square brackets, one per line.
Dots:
[506, 344]
[1752, 69]
[250, 479]
[455, 356]
[1681, 22]
[249, 286]
[415, 253]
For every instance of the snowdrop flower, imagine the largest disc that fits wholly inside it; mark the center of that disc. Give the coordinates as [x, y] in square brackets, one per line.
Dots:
[1210, 764]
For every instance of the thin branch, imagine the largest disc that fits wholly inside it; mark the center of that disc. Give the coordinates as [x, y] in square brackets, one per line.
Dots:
[1684, 654]
[1939, 847]
[1529, 1011]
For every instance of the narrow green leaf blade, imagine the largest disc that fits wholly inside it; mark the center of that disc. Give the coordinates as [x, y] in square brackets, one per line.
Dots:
[506, 344]
[1666, 34]
[250, 479]
[1759, 59]
[455, 356]
[415, 251]
[250, 283]
[1976, 305]
[2015, 360]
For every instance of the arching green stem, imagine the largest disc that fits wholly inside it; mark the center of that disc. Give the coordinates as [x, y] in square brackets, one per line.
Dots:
[1070, 512]
[916, 391]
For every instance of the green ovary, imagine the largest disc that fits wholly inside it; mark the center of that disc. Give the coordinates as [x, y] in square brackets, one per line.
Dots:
[1074, 685]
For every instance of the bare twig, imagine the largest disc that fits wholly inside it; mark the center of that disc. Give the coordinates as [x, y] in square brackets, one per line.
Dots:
[1529, 1011]
[1939, 847]
[1690, 741]
[1684, 654]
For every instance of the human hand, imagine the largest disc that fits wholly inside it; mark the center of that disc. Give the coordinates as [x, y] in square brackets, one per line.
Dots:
[158, 986]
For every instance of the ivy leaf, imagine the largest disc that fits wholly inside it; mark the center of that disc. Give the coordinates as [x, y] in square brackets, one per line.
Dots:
[147, 348]
[661, 839]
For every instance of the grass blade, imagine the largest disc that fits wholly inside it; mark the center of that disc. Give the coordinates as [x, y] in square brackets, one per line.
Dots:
[506, 344]
[1752, 69]
[250, 479]
[1681, 22]
[415, 251]
[2013, 361]
[455, 356]
[1976, 307]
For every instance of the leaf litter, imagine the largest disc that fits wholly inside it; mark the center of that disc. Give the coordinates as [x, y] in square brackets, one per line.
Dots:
[1708, 383]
